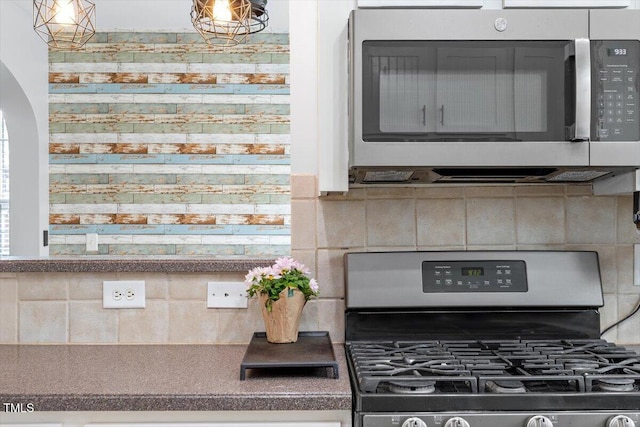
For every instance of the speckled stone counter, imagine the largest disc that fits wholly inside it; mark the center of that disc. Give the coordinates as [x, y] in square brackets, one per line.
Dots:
[101, 264]
[161, 378]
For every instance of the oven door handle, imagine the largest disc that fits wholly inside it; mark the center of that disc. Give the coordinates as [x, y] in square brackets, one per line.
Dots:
[582, 128]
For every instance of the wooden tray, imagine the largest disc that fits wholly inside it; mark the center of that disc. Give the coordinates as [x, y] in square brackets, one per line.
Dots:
[312, 350]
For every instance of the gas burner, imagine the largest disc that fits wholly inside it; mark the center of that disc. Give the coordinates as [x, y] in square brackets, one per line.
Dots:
[412, 387]
[615, 384]
[505, 386]
[581, 364]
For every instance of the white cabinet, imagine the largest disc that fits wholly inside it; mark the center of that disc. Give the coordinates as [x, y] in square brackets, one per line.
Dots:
[420, 3]
[223, 424]
[31, 425]
[567, 3]
[333, 418]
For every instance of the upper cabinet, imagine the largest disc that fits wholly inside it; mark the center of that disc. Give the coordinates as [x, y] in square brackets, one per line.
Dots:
[505, 3]
[566, 3]
[420, 3]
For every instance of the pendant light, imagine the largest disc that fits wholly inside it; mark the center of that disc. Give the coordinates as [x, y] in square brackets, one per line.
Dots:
[228, 21]
[64, 24]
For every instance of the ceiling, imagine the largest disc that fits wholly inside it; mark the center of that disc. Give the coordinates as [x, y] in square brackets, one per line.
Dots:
[163, 15]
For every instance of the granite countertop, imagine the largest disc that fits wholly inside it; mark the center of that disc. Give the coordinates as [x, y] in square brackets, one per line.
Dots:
[155, 264]
[161, 378]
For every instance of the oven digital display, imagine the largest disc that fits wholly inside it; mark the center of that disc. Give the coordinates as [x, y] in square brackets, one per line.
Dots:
[473, 271]
[474, 276]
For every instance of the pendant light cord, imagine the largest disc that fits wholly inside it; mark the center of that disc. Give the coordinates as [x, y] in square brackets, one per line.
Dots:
[635, 310]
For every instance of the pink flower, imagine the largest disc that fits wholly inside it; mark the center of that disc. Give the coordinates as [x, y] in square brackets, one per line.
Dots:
[289, 264]
[313, 284]
[259, 273]
[285, 263]
[284, 273]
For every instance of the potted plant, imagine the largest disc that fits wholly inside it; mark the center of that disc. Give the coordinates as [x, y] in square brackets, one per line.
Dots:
[283, 288]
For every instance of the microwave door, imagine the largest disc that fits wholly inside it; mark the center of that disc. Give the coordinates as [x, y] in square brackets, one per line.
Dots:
[514, 93]
[473, 92]
[484, 103]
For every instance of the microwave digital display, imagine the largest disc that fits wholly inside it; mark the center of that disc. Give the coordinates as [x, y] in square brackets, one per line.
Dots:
[617, 51]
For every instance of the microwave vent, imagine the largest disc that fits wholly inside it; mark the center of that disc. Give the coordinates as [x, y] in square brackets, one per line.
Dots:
[380, 176]
[578, 175]
[491, 175]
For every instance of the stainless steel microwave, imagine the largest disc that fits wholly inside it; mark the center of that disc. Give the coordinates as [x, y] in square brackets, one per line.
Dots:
[493, 95]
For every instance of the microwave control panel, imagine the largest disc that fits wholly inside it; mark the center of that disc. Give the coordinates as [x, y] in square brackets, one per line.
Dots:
[615, 90]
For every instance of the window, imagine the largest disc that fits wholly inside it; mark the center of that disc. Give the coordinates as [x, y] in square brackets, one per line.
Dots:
[4, 187]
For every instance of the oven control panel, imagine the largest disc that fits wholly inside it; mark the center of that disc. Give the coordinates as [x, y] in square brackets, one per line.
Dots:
[474, 276]
[554, 419]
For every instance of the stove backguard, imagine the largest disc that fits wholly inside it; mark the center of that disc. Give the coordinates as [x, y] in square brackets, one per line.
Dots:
[472, 295]
[473, 279]
[468, 324]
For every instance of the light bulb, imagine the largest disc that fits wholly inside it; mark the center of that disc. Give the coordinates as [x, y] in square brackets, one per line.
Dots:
[64, 12]
[221, 10]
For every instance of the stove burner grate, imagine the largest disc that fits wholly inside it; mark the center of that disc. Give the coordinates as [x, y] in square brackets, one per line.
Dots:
[615, 384]
[495, 367]
[505, 386]
[411, 387]
[628, 383]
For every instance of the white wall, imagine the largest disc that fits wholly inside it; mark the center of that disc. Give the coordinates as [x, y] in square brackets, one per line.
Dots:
[23, 99]
[169, 15]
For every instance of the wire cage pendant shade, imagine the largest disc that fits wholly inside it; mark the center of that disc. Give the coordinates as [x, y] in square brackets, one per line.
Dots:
[64, 24]
[228, 21]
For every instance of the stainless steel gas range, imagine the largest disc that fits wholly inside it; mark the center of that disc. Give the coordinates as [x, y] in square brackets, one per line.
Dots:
[484, 339]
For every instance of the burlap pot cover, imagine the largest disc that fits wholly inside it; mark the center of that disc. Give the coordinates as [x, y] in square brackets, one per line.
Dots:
[282, 322]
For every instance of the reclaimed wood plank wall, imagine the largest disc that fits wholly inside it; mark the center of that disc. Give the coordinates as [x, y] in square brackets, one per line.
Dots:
[163, 145]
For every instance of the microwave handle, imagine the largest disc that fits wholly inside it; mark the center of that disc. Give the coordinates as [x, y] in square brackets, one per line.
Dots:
[583, 90]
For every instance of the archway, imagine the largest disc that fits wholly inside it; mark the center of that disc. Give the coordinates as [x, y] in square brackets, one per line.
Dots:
[25, 232]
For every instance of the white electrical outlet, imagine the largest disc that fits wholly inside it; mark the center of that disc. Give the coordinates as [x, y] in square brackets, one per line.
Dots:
[123, 294]
[91, 242]
[226, 295]
[636, 264]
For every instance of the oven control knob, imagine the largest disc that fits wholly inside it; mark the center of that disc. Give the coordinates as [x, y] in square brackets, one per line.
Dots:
[414, 422]
[456, 422]
[621, 421]
[539, 421]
